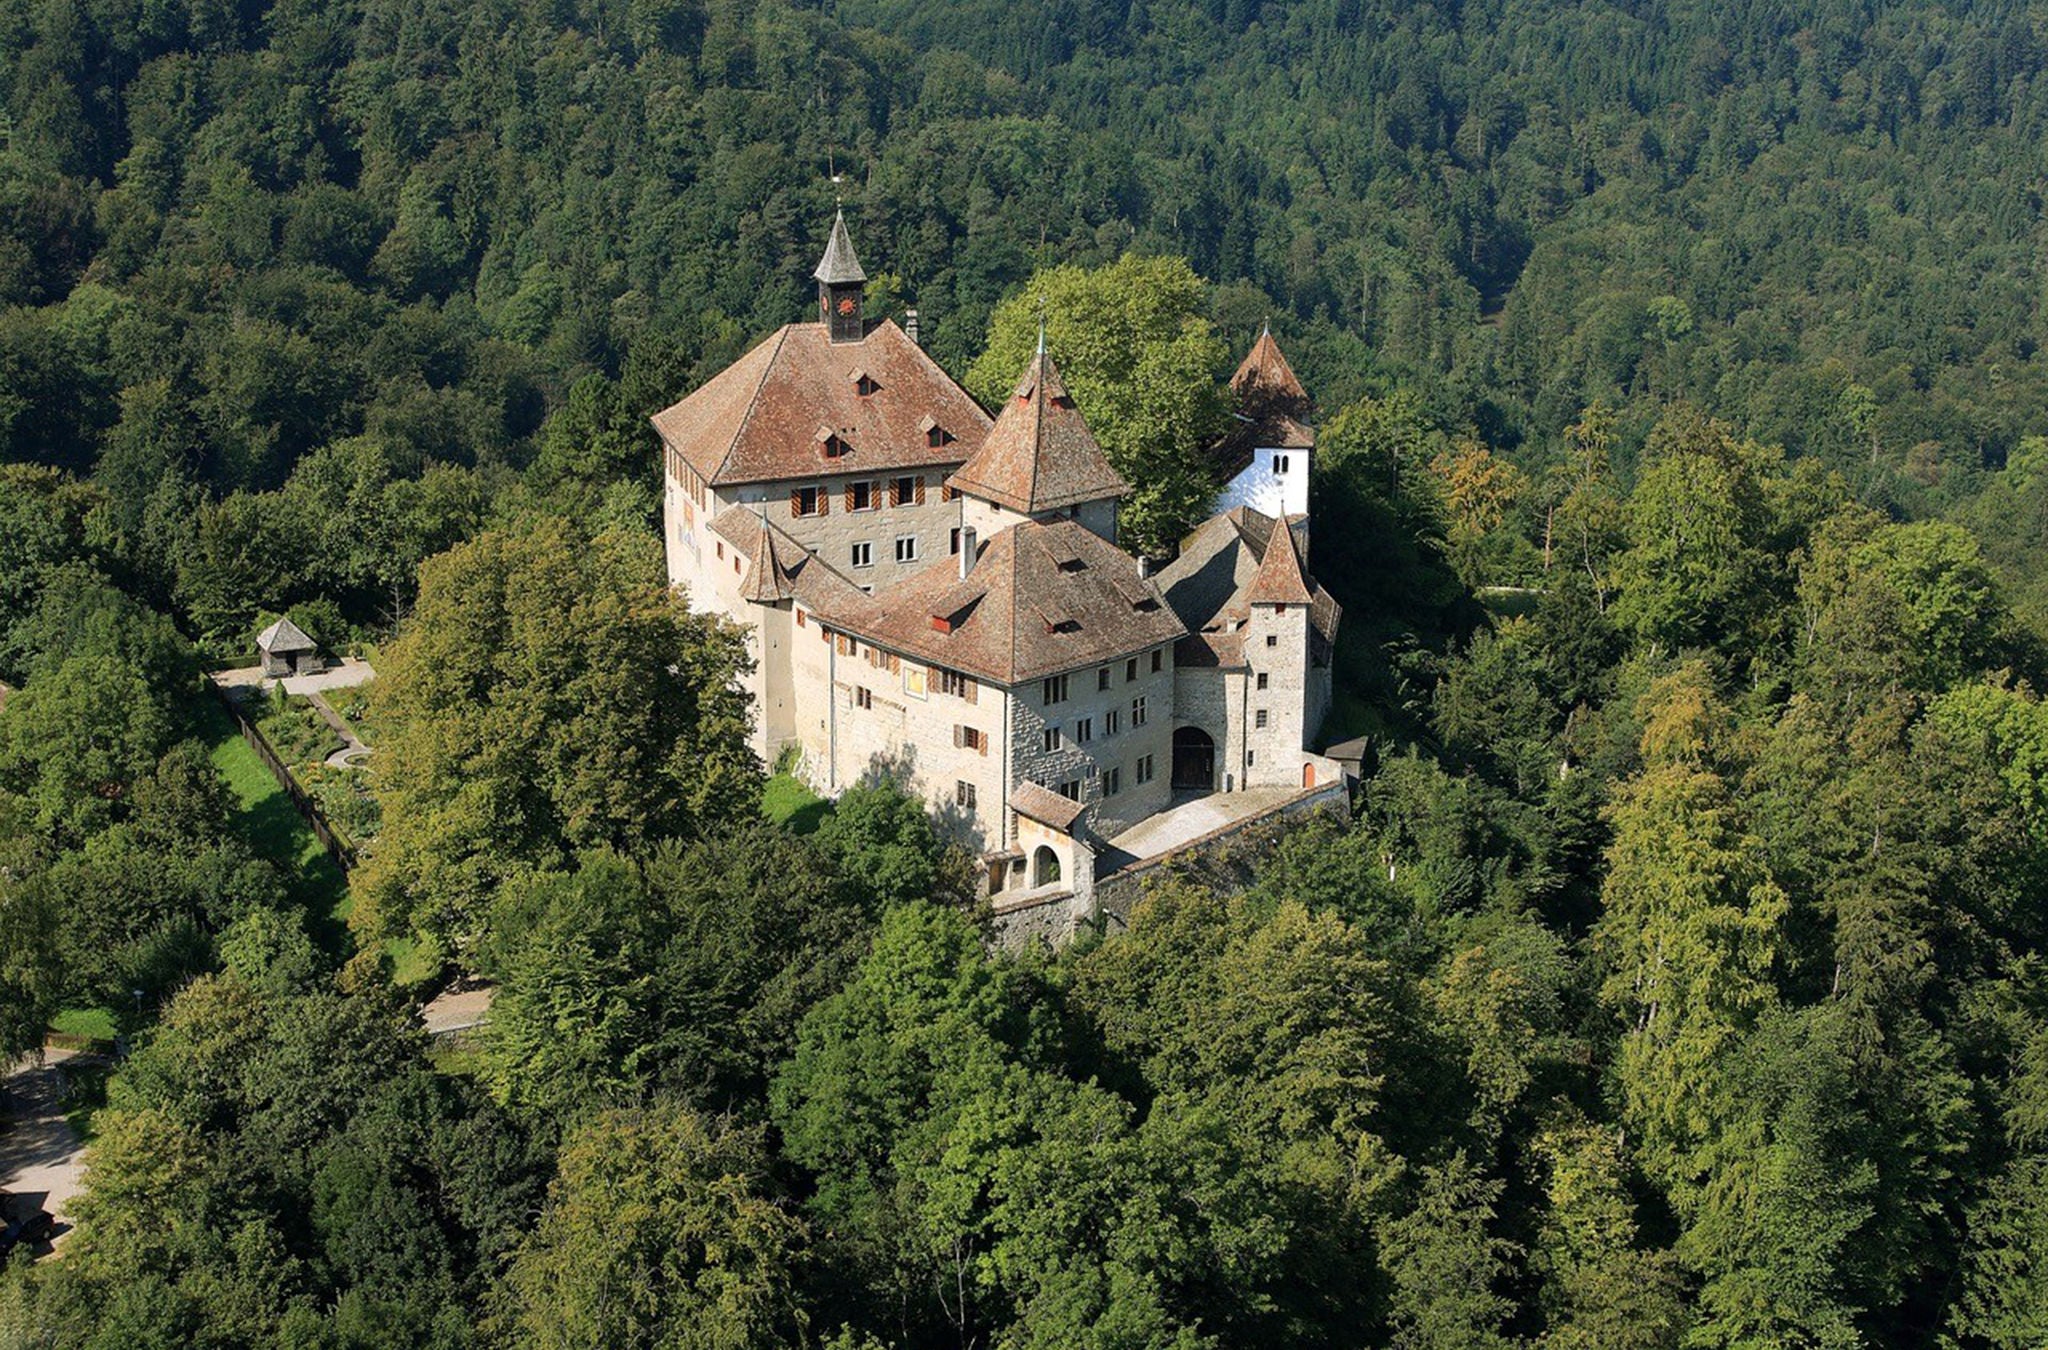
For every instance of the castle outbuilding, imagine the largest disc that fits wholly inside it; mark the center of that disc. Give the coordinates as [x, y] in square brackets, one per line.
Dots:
[937, 596]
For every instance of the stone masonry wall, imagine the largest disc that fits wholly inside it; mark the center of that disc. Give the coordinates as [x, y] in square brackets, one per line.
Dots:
[1056, 921]
[1085, 762]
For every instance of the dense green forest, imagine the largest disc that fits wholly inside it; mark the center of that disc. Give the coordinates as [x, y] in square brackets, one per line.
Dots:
[1680, 980]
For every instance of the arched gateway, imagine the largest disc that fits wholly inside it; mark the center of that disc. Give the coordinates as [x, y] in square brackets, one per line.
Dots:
[1194, 760]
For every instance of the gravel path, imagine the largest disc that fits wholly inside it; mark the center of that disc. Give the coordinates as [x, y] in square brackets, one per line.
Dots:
[42, 1160]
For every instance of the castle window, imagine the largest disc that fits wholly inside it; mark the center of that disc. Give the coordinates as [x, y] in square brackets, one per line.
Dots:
[721, 552]
[1112, 721]
[906, 548]
[907, 491]
[1158, 657]
[1102, 678]
[801, 621]
[1084, 731]
[1279, 464]
[1249, 757]
[807, 501]
[1137, 712]
[1049, 740]
[1272, 639]
[861, 496]
[1130, 670]
[863, 697]
[963, 795]
[953, 682]
[1259, 719]
[1071, 789]
[863, 555]
[953, 544]
[1142, 770]
[970, 738]
[1263, 678]
[1054, 690]
[1112, 782]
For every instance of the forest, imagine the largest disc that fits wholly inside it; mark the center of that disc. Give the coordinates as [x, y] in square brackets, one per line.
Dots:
[1679, 978]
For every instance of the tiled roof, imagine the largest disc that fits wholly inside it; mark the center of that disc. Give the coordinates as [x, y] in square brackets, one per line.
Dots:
[1044, 805]
[1264, 377]
[767, 416]
[779, 568]
[285, 636]
[1272, 411]
[839, 266]
[1218, 577]
[1278, 580]
[1043, 598]
[1040, 455]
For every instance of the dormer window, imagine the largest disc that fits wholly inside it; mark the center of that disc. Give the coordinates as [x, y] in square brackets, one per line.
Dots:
[834, 448]
[938, 438]
[864, 383]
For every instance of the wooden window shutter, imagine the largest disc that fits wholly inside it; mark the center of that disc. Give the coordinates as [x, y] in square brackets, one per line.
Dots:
[971, 689]
[849, 496]
[920, 489]
[957, 729]
[824, 500]
[795, 501]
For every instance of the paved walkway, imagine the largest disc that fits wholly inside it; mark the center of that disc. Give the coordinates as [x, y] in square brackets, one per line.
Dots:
[347, 675]
[1188, 819]
[42, 1160]
[352, 751]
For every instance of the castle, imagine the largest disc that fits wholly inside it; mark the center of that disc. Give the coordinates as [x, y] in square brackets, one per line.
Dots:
[937, 595]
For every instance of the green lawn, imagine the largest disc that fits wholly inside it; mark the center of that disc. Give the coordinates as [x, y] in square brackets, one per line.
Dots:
[276, 831]
[786, 801]
[93, 1024]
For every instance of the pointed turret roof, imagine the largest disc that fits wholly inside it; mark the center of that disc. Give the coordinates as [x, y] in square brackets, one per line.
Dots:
[1279, 580]
[767, 580]
[1040, 455]
[1264, 379]
[839, 266]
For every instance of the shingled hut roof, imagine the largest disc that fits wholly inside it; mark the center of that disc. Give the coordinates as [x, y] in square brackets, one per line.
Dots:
[285, 636]
[1039, 456]
[768, 416]
[1043, 597]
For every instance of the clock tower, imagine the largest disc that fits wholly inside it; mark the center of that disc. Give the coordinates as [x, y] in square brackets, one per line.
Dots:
[840, 284]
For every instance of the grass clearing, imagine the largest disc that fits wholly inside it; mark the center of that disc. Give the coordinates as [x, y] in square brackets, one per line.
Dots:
[92, 1024]
[787, 802]
[276, 831]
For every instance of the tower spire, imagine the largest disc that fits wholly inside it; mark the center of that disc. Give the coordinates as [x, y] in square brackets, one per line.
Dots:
[840, 284]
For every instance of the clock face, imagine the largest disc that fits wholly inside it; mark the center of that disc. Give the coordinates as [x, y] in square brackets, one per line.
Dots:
[846, 305]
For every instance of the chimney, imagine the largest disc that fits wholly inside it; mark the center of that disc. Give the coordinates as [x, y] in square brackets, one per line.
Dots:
[969, 539]
[910, 327]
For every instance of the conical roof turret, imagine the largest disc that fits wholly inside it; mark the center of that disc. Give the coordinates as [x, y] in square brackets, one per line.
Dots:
[1040, 455]
[1264, 379]
[1279, 580]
